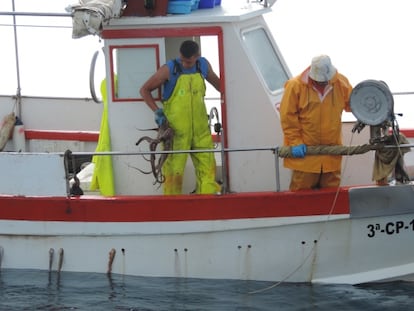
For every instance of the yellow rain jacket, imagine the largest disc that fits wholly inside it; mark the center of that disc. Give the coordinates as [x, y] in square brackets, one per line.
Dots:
[103, 178]
[186, 112]
[313, 119]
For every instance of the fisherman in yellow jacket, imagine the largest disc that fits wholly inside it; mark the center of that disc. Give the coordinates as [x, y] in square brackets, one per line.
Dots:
[310, 113]
[183, 106]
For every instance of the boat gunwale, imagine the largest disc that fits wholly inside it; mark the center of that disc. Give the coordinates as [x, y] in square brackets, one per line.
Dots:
[154, 208]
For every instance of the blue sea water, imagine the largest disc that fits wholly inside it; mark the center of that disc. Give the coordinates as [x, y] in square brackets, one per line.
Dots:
[41, 290]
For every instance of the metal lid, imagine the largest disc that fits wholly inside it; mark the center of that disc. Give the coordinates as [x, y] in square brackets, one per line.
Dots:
[372, 102]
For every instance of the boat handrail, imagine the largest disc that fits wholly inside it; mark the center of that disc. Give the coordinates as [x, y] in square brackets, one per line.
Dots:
[269, 148]
[278, 151]
[158, 152]
[225, 188]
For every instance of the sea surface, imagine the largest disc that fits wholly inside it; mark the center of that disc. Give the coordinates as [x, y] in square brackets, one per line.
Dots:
[41, 290]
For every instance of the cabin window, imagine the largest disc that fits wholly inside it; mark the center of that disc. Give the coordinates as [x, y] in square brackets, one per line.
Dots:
[264, 55]
[133, 65]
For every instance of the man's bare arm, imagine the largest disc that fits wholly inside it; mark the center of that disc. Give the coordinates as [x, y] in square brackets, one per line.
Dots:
[154, 82]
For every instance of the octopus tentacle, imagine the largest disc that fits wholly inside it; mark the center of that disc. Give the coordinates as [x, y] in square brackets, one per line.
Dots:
[165, 135]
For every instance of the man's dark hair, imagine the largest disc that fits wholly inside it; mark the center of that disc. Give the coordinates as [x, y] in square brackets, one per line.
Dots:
[189, 48]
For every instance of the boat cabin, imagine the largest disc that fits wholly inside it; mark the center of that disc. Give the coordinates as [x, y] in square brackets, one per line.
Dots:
[237, 41]
[241, 49]
[235, 38]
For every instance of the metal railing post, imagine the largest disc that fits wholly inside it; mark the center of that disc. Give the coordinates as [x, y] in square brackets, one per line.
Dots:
[277, 169]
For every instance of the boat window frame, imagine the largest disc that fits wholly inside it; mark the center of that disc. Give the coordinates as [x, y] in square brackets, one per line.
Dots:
[275, 52]
[114, 69]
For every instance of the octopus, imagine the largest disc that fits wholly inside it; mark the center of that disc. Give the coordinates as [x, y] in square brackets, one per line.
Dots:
[165, 136]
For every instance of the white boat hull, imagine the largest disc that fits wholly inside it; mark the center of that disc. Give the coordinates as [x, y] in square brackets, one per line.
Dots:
[323, 249]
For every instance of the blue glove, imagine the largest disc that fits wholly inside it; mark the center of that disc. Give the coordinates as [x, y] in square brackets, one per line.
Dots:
[299, 151]
[160, 116]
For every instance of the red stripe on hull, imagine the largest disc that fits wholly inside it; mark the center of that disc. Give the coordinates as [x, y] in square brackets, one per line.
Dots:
[61, 135]
[174, 208]
[409, 133]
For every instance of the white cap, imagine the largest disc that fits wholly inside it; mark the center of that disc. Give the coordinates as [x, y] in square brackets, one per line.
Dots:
[321, 69]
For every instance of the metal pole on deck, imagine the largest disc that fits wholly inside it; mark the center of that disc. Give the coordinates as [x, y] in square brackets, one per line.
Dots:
[16, 49]
[277, 169]
[225, 186]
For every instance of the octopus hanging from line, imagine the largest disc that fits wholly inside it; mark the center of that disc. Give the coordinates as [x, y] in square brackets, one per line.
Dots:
[165, 136]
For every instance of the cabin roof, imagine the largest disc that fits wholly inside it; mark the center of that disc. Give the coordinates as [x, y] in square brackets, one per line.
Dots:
[228, 11]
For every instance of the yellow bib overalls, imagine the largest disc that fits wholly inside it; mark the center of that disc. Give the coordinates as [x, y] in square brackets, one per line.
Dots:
[187, 115]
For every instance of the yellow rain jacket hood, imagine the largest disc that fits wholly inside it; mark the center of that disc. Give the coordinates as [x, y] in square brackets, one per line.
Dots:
[309, 118]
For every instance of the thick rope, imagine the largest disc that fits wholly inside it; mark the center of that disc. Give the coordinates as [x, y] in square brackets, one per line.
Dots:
[286, 151]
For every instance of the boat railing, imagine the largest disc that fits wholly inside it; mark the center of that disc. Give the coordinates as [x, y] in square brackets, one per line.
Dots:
[277, 151]
[223, 151]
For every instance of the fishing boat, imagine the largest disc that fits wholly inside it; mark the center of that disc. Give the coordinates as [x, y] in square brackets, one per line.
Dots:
[255, 228]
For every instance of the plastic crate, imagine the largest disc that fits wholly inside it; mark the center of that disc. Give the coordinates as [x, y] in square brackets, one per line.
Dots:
[206, 4]
[217, 2]
[179, 7]
[195, 5]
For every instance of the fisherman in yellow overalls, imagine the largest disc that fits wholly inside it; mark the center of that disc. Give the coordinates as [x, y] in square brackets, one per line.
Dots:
[184, 108]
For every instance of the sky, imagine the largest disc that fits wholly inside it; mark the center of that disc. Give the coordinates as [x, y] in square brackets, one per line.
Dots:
[48, 55]
[366, 39]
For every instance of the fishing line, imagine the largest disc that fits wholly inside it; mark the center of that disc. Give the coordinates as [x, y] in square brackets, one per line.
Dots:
[321, 233]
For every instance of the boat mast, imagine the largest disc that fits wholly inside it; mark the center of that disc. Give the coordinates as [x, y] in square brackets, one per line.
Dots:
[16, 49]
